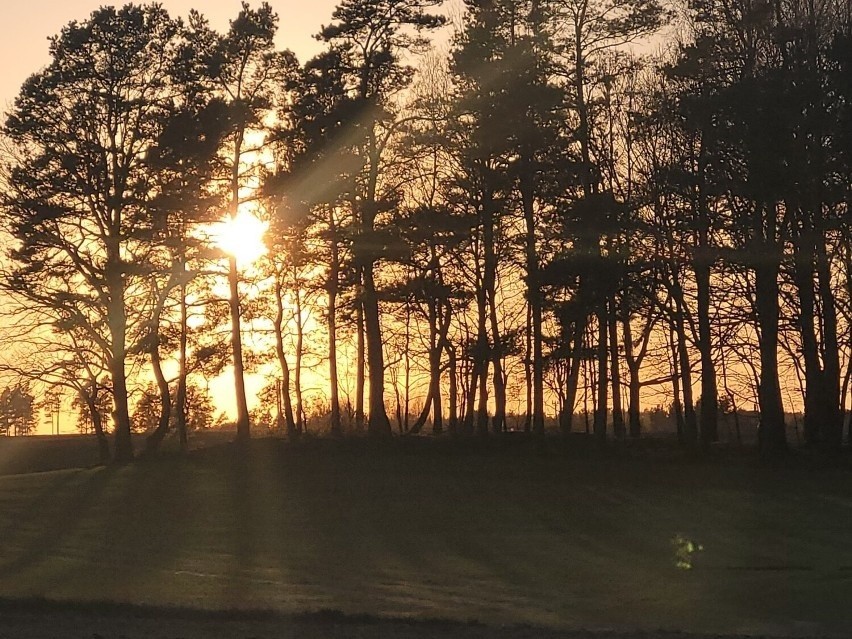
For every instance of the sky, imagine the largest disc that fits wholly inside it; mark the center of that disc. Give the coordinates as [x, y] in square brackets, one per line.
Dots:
[27, 25]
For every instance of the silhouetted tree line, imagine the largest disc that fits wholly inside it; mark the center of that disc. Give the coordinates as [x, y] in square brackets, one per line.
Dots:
[17, 410]
[537, 222]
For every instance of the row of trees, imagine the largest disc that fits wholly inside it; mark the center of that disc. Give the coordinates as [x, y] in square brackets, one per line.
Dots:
[538, 217]
[18, 410]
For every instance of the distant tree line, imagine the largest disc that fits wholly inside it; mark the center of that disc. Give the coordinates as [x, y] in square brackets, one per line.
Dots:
[18, 411]
[536, 222]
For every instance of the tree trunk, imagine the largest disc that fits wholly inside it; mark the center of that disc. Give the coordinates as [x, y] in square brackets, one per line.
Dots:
[180, 396]
[469, 419]
[156, 438]
[499, 423]
[617, 413]
[297, 369]
[332, 284]
[121, 414]
[479, 370]
[435, 348]
[437, 403]
[573, 376]
[420, 422]
[535, 302]
[709, 390]
[378, 423]
[528, 372]
[771, 433]
[633, 380]
[454, 390]
[406, 419]
[97, 424]
[583, 130]
[243, 427]
[118, 334]
[690, 422]
[833, 422]
[635, 408]
[482, 405]
[601, 403]
[822, 422]
[676, 402]
[433, 403]
[360, 366]
[702, 262]
[284, 393]
[814, 384]
[490, 286]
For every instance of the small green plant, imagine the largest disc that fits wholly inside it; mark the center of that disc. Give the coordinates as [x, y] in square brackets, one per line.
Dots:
[685, 550]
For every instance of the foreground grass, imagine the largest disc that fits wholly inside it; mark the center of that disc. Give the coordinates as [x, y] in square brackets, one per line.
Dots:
[496, 536]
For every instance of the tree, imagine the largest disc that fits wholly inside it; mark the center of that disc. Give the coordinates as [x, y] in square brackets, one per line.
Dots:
[482, 74]
[93, 405]
[368, 38]
[247, 72]
[199, 407]
[760, 99]
[146, 414]
[593, 29]
[17, 410]
[184, 165]
[79, 185]
[52, 362]
[433, 233]
[508, 58]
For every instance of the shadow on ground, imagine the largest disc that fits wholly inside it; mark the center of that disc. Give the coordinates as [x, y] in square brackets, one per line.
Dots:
[501, 536]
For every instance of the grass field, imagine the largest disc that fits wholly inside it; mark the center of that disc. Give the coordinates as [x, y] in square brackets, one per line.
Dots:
[435, 532]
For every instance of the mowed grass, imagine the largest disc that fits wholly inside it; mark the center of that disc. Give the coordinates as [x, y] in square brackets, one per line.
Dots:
[498, 536]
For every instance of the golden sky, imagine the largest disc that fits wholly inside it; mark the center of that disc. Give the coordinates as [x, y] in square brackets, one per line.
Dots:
[27, 24]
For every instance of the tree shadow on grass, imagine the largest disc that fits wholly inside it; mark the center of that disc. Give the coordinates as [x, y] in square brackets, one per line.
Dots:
[21, 513]
[385, 534]
[141, 526]
[247, 472]
[53, 519]
[112, 536]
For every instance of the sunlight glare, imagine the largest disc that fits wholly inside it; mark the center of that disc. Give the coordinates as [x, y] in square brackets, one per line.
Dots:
[241, 237]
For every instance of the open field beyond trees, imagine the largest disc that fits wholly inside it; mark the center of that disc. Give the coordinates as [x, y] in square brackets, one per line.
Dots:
[424, 531]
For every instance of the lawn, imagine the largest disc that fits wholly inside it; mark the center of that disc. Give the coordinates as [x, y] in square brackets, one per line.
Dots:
[433, 532]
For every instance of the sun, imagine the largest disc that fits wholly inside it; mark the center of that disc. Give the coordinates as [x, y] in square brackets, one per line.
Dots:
[241, 237]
